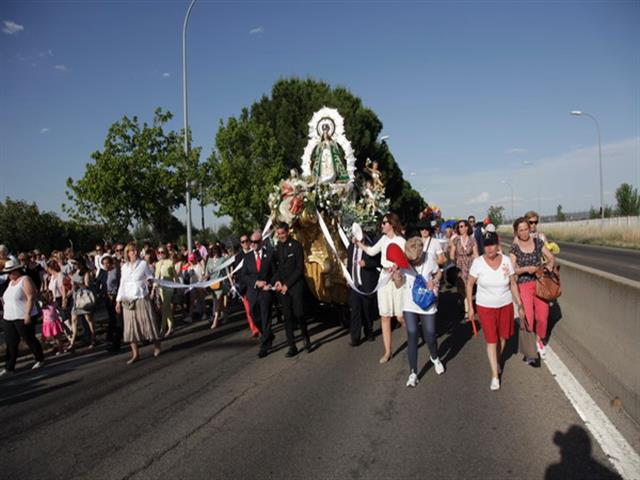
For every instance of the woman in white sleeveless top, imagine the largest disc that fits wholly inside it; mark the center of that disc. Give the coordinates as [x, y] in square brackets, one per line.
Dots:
[390, 297]
[20, 315]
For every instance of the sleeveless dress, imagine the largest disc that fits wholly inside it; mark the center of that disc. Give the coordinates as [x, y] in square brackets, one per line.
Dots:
[464, 255]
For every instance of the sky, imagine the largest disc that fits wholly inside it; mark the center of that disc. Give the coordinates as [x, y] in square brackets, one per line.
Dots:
[474, 96]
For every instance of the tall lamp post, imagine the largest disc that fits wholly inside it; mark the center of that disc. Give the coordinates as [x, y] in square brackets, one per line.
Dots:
[579, 113]
[185, 112]
[512, 202]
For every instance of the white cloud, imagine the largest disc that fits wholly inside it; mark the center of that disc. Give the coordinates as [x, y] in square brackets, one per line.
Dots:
[570, 178]
[166, 74]
[256, 31]
[517, 151]
[482, 198]
[61, 68]
[44, 130]
[11, 27]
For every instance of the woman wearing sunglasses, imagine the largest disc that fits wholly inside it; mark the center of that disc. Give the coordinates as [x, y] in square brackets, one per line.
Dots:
[533, 219]
[390, 297]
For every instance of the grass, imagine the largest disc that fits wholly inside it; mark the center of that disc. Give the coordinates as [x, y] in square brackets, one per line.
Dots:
[611, 236]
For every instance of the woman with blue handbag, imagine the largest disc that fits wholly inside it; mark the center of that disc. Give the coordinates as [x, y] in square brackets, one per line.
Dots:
[421, 305]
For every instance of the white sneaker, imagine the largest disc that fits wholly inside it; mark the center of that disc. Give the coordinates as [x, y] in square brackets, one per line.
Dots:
[542, 350]
[438, 364]
[413, 380]
[495, 384]
[37, 365]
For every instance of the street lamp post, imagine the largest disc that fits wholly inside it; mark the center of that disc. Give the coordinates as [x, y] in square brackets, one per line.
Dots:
[579, 113]
[512, 201]
[185, 112]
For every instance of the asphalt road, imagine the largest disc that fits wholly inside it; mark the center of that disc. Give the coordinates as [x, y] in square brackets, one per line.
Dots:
[208, 408]
[619, 261]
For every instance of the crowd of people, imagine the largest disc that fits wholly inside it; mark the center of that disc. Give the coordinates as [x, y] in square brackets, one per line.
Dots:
[137, 288]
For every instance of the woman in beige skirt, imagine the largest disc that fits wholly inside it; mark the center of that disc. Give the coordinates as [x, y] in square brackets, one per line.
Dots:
[134, 303]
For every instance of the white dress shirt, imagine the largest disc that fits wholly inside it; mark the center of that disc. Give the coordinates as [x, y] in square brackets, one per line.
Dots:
[133, 281]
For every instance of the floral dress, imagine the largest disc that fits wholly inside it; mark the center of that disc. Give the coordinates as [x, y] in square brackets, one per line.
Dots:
[531, 259]
[463, 255]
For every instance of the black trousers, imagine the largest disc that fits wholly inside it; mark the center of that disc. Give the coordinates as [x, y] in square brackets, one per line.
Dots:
[293, 311]
[114, 322]
[15, 330]
[260, 304]
[363, 313]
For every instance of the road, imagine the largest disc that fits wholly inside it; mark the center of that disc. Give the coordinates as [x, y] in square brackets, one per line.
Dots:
[209, 408]
[619, 261]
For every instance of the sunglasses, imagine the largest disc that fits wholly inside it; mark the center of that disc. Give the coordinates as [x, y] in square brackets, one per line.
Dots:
[119, 249]
[244, 241]
[532, 222]
[161, 252]
[256, 241]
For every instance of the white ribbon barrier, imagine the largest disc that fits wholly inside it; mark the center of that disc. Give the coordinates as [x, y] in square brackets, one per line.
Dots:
[203, 284]
[343, 236]
[384, 276]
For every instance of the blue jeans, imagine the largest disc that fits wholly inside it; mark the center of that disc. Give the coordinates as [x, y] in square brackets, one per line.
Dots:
[428, 323]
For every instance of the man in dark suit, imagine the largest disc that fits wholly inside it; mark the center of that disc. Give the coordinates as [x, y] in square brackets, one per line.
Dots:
[107, 283]
[364, 272]
[255, 274]
[289, 283]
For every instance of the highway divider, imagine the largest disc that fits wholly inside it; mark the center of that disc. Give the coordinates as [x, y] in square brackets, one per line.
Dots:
[600, 326]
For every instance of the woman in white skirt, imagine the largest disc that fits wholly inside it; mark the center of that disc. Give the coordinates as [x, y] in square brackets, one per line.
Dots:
[390, 297]
[134, 303]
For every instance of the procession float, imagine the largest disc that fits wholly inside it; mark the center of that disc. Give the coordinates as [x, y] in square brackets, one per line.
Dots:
[324, 201]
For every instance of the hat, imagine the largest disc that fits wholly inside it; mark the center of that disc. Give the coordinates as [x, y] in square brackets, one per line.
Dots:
[490, 228]
[490, 238]
[11, 265]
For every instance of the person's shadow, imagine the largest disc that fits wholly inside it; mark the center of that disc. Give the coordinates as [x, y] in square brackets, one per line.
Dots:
[576, 461]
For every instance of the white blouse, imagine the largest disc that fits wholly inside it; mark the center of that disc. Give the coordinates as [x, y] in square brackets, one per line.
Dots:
[381, 247]
[133, 281]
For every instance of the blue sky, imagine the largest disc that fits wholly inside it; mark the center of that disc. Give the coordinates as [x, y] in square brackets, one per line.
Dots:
[471, 93]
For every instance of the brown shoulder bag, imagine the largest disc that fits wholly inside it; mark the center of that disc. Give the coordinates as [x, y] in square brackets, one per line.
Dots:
[548, 283]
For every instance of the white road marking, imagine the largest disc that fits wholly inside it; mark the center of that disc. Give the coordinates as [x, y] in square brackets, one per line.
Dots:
[623, 457]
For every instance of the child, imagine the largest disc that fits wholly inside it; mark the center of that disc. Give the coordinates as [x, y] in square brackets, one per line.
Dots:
[51, 325]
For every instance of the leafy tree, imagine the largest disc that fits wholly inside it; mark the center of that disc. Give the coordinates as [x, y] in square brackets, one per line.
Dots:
[628, 200]
[608, 212]
[496, 214]
[259, 147]
[560, 216]
[23, 228]
[139, 176]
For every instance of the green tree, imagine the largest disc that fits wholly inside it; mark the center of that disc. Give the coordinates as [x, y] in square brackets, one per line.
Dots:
[496, 214]
[23, 227]
[628, 200]
[139, 177]
[258, 148]
[560, 216]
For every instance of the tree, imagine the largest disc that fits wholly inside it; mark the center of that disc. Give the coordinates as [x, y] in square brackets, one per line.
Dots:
[139, 177]
[628, 200]
[259, 147]
[560, 216]
[23, 228]
[496, 214]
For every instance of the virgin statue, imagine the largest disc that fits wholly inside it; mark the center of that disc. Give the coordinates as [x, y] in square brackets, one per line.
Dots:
[327, 159]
